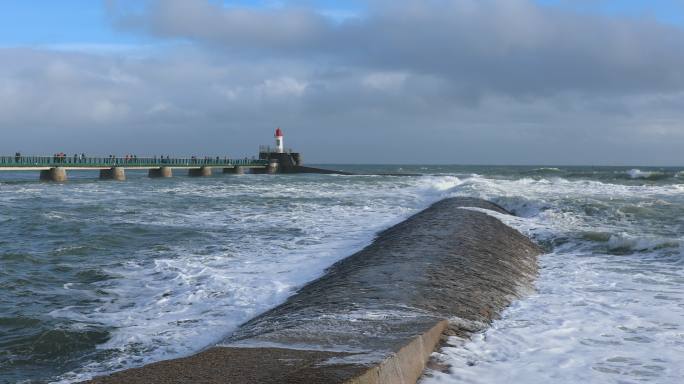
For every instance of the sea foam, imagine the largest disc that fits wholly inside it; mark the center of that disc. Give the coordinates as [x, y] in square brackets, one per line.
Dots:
[604, 302]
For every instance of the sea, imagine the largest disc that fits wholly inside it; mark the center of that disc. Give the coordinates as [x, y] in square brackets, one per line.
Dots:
[98, 276]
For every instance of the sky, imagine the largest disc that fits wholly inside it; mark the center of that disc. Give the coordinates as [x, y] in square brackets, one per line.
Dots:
[562, 82]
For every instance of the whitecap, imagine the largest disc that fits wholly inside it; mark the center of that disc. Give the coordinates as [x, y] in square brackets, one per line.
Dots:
[639, 174]
[626, 242]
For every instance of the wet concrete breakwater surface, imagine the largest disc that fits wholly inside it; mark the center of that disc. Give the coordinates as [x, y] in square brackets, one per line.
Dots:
[377, 315]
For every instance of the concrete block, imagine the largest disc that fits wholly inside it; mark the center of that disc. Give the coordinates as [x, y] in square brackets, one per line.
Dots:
[199, 172]
[236, 170]
[57, 174]
[161, 172]
[116, 173]
[272, 167]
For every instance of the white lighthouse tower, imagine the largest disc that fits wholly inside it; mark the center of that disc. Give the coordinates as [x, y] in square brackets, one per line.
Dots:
[279, 141]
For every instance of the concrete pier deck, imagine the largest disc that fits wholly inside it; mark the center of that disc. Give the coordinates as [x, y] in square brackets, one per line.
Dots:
[376, 316]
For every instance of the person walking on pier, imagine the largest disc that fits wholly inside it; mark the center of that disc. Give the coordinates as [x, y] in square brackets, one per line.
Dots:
[17, 157]
[59, 157]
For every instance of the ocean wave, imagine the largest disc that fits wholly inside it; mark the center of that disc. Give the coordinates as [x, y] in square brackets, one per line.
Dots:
[304, 225]
[250, 242]
[547, 170]
[639, 174]
[629, 243]
[626, 243]
[591, 307]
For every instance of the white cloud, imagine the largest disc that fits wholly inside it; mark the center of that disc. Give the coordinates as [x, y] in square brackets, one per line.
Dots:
[385, 81]
[107, 111]
[283, 86]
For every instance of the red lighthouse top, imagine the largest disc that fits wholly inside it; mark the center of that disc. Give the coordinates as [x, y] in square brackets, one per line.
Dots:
[279, 132]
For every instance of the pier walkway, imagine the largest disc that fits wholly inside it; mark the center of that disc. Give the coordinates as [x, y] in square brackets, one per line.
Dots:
[53, 168]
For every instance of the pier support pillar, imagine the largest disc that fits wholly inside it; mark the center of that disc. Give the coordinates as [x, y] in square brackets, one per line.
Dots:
[116, 173]
[57, 174]
[161, 172]
[272, 167]
[199, 172]
[236, 170]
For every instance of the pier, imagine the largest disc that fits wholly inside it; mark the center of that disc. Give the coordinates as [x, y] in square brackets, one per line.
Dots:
[271, 160]
[54, 168]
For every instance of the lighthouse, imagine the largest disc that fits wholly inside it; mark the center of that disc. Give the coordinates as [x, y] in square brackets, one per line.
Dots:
[279, 140]
[279, 159]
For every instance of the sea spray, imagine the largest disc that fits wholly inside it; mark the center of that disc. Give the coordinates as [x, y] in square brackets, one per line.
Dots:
[609, 292]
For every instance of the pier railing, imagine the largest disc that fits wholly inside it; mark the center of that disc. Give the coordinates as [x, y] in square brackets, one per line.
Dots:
[269, 149]
[127, 162]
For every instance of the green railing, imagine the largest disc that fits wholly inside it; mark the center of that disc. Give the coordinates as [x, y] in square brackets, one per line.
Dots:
[127, 162]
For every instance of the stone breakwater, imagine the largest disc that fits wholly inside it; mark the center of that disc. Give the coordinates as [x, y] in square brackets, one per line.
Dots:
[376, 316]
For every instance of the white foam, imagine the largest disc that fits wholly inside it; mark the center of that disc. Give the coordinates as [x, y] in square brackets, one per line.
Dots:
[176, 301]
[548, 169]
[626, 242]
[602, 307]
[597, 316]
[639, 174]
[587, 323]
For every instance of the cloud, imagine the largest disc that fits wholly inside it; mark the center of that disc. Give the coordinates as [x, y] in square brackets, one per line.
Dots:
[461, 81]
[514, 47]
[276, 28]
